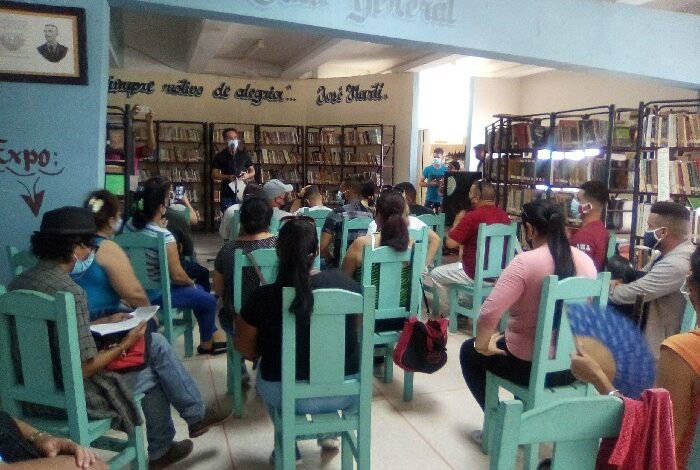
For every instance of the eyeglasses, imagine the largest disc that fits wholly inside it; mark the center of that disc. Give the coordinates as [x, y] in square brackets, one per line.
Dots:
[305, 218]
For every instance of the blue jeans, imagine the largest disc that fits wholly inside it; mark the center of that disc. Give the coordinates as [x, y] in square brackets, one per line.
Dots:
[271, 393]
[165, 382]
[201, 302]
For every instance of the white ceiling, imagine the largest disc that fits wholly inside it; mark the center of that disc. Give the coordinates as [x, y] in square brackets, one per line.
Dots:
[158, 42]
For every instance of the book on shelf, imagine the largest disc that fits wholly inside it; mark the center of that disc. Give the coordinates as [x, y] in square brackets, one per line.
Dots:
[168, 132]
[247, 136]
[179, 154]
[175, 175]
[672, 129]
[115, 140]
[684, 176]
[362, 158]
[622, 171]
[323, 176]
[280, 156]
[329, 136]
[369, 136]
[517, 197]
[287, 175]
[573, 173]
[328, 157]
[624, 133]
[521, 170]
[619, 214]
[279, 137]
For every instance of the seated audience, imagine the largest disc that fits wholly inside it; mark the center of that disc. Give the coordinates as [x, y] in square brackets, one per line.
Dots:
[369, 190]
[151, 204]
[107, 275]
[250, 190]
[352, 207]
[409, 193]
[393, 231]
[464, 234]
[517, 291]
[592, 238]
[276, 192]
[310, 198]
[64, 240]
[258, 331]
[25, 447]
[669, 230]
[678, 371]
[198, 273]
[176, 215]
[255, 215]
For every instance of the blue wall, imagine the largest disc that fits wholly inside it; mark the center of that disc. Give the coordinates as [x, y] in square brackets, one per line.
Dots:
[67, 120]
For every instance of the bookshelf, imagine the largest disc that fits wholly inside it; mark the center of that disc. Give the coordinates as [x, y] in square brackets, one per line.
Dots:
[324, 160]
[279, 152]
[247, 136]
[119, 139]
[666, 160]
[180, 158]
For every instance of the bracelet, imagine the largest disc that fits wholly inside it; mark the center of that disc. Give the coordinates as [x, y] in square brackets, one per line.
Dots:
[37, 436]
[123, 353]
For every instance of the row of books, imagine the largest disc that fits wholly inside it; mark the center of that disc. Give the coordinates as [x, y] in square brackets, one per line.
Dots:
[168, 132]
[581, 133]
[568, 134]
[573, 173]
[518, 196]
[672, 129]
[332, 157]
[287, 175]
[285, 157]
[180, 154]
[279, 137]
[528, 170]
[323, 176]
[683, 176]
[247, 136]
[622, 171]
[367, 158]
[325, 136]
[370, 136]
[173, 174]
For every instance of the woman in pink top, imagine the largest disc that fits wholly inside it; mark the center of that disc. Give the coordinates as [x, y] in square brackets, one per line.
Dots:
[518, 290]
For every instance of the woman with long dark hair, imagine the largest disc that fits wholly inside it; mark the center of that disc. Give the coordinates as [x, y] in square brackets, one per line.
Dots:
[152, 200]
[517, 291]
[258, 331]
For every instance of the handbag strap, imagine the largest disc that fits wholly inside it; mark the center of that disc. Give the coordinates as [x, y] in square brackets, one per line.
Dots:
[256, 267]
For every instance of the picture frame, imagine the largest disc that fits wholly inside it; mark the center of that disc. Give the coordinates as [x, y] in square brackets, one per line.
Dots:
[42, 44]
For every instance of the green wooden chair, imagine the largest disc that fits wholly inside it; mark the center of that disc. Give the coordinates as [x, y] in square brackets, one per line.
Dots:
[418, 236]
[689, 321]
[267, 260]
[235, 226]
[612, 246]
[496, 246]
[384, 268]
[19, 260]
[573, 425]
[327, 377]
[357, 223]
[437, 223]
[319, 217]
[546, 360]
[28, 315]
[140, 248]
[275, 226]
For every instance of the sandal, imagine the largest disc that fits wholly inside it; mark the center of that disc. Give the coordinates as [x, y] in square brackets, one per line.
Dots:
[216, 348]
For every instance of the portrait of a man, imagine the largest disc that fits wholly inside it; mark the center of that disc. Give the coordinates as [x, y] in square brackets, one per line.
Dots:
[51, 50]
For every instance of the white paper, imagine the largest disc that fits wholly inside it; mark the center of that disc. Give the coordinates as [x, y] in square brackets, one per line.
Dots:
[137, 316]
[664, 190]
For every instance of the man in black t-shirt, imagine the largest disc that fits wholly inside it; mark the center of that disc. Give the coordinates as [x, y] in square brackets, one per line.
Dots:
[409, 193]
[230, 164]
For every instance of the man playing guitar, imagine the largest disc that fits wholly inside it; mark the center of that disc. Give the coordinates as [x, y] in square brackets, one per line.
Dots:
[233, 168]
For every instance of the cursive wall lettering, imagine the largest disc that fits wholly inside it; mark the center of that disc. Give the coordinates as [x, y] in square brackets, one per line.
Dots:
[353, 93]
[183, 88]
[429, 11]
[256, 96]
[129, 88]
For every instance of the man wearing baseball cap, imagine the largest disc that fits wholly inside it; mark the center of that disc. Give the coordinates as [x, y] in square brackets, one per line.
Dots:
[275, 192]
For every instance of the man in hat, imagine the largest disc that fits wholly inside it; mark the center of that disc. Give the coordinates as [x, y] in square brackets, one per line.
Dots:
[276, 192]
[65, 244]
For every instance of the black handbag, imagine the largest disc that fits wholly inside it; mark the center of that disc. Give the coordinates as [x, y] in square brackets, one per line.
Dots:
[14, 447]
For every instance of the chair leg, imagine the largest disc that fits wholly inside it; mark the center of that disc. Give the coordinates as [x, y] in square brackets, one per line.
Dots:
[289, 460]
[137, 440]
[346, 456]
[388, 364]
[490, 407]
[453, 310]
[189, 333]
[407, 386]
[531, 456]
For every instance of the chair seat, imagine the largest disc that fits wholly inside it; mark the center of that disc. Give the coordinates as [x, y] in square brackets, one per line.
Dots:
[575, 389]
[59, 427]
[386, 337]
[322, 423]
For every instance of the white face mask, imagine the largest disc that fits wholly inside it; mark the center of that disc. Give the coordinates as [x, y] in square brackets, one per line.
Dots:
[233, 144]
[117, 225]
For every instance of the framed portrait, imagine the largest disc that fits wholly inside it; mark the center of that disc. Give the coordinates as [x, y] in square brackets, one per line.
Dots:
[42, 43]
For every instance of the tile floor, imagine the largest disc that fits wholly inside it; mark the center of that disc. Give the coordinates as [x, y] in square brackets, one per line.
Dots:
[432, 431]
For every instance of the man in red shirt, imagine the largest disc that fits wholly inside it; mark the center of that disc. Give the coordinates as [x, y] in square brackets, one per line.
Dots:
[464, 234]
[592, 237]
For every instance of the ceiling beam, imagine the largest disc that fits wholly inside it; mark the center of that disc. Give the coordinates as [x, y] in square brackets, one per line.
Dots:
[210, 38]
[428, 60]
[238, 67]
[308, 62]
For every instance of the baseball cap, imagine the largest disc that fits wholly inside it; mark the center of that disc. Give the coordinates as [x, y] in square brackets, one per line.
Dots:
[275, 188]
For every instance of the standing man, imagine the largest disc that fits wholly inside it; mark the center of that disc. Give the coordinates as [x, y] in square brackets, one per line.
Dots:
[432, 179]
[231, 164]
[592, 238]
[51, 50]
[668, 231]
[480, 154]
[464, 233]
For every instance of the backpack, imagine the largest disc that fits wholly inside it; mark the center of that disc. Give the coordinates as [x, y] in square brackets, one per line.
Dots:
[422, 346]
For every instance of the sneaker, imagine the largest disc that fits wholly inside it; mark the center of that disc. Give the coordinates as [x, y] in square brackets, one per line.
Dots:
[178, 451]
[211, 417]
[477, 436]
[296, 452]
[328, 443]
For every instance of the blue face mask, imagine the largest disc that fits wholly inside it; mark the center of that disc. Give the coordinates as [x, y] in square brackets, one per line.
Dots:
[650, 238]
[83, 265]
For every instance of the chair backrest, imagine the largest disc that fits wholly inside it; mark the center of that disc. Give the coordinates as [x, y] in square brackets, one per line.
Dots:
[495, 248]
[267, 261]
[690, 319]
[235, 225]
[573, 425]
[327, 347]
[390, 265]
[612, 245]
[319, 215]
[555, 297]
[275, 226]
[437, 223]
[357, 223]
[19, 260]
[31, 317]
[145, 253]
